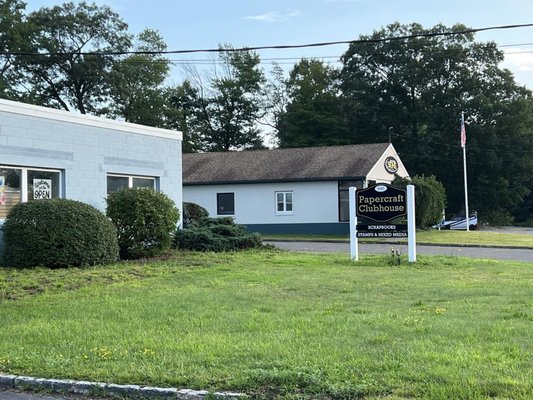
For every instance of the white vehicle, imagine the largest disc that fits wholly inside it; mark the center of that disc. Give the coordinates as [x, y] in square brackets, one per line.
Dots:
[458, 222]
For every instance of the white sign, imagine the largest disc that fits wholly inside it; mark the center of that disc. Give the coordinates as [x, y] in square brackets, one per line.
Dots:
[42, 189]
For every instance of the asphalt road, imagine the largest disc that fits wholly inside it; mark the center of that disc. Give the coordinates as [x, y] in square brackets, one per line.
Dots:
[525, 255]
[9, 395]
[32, 396]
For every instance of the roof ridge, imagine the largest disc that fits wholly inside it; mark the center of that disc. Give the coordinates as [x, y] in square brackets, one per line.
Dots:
[288, 148]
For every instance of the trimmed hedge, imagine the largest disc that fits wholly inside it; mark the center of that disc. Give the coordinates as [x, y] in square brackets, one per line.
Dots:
[217, 234]
[58, 233]
[146, 221]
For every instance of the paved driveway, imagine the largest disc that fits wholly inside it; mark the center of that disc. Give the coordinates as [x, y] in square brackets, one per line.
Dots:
[525, 255]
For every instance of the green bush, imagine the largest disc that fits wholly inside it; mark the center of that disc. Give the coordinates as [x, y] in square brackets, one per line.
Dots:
[430, 199]
[58, 233]
[193, 214]
[217, 234]
[145, 219]
[497, 218]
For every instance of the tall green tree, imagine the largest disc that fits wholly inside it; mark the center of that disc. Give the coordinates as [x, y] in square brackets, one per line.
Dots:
[314, 113]
[225, 111]
[137, 81]
[419, 86]
[63, 75]
[187, 114]
[15, 36]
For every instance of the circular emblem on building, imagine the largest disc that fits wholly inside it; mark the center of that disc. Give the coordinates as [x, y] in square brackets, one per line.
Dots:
[391, 165]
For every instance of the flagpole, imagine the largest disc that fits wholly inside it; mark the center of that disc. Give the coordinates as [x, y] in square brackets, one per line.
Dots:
[463, 145]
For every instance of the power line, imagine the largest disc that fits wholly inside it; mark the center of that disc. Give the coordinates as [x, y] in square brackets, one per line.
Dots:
[286, 60]
[457, 146]
[516, 44]
[277, 47]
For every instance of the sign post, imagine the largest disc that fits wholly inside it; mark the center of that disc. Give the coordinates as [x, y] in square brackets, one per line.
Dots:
[411, 226]
[354, 246]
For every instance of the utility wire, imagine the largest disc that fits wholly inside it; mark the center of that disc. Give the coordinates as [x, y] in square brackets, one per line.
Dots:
[278, 47]
[457, 146]
[287, 60]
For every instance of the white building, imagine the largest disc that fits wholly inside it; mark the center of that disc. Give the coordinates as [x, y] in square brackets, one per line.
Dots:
[47, 153]
[300, 190]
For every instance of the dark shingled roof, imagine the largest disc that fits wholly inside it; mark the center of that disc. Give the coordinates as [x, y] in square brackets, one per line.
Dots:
[296, 164]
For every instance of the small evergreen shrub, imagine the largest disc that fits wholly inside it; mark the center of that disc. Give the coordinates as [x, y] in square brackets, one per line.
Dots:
[146, 221]
[193, 214]
[58, 233]
[217, 234]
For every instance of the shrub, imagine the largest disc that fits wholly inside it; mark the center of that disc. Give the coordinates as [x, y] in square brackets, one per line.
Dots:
[58, 233]
[217, 234]
[145, 219]
[430, 199]
[497, 218]
[193, 214]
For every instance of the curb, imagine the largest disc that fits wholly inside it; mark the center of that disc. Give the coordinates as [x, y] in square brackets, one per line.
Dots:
[65, 386]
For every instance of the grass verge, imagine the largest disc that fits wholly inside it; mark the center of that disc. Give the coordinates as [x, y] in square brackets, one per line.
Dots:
[454, 238]
[278, 325]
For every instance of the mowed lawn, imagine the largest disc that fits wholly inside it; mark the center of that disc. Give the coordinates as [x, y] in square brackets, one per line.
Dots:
[278, 325]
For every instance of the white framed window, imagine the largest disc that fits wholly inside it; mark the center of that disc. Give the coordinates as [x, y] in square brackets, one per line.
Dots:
[116, 182]
[284, 202]
[21, 184]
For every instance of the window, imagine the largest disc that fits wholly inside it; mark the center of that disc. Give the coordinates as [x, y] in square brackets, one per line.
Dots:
[117, 182]
[21, 184]
[344, 203]
[225, 203]
[283, 203]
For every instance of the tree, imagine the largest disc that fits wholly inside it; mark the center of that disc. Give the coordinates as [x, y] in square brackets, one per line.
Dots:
[15, 34]
[72, 70]
[314, 114]
[137, 82]
[430, 199]
[419, 86]
[186, 114]
[224, 113]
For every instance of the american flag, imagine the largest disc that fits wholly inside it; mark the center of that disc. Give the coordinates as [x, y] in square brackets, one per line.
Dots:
[463, 131]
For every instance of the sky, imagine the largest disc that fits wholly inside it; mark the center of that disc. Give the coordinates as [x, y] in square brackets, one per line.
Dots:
[204, 24]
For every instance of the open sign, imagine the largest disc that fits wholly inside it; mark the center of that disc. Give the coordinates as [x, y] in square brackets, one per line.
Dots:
[42, 189]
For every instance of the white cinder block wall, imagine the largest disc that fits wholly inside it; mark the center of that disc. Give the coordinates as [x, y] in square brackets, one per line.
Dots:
[85, 149]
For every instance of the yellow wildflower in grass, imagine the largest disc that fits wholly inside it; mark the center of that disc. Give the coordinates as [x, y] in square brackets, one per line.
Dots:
[102, 352]
[4, 362]
[148, 352]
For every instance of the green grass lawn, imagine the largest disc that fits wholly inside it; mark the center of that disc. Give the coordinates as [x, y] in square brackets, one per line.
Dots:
[279, 325]
[433, 236]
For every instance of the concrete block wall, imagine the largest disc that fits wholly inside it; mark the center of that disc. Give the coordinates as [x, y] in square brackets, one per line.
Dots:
[87, 148]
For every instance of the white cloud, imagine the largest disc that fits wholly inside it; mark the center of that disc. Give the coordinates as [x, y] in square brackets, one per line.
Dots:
[275, 16]
[519, 59]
